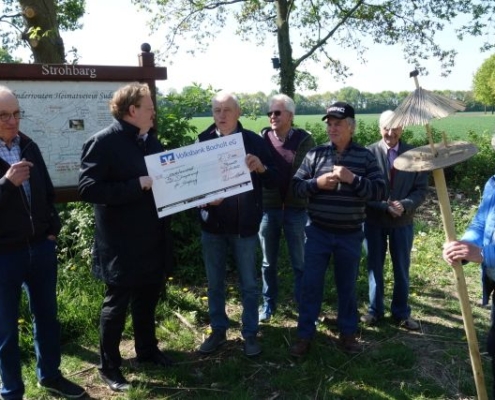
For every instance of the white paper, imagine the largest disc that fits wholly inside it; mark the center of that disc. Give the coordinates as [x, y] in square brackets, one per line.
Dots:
[199, 173]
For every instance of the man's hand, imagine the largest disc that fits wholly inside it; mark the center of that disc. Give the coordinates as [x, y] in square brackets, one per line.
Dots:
[146, 182]
[254, 164]
[458, 251]
[343, 174]
[19, 172]
[395, 208]
[328, 181]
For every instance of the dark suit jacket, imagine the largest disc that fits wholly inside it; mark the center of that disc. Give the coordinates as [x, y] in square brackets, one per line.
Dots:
[410, 188]
[132, 245]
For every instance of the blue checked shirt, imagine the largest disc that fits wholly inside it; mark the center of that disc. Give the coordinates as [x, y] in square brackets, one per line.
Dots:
[12, 156]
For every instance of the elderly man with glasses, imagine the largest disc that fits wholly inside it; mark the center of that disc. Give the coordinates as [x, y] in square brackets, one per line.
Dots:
[30, 225]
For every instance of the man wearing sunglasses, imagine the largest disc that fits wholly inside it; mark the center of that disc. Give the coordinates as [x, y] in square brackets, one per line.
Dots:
[337, 178]
[282, 211]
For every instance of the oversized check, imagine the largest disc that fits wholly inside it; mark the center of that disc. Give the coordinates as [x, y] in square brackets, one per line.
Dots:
[199, 173]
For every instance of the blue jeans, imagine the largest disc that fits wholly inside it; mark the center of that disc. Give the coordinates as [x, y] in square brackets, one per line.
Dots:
[215, 250]
[33, 268]
[292, 222]
[346, 251]
[400, 241]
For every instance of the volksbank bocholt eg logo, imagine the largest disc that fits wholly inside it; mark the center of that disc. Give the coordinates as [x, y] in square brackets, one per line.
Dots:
[167, 158]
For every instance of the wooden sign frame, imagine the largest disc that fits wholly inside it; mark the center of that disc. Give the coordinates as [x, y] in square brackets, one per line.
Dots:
[67, 74]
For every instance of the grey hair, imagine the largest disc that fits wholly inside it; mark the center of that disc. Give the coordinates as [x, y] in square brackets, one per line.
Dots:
[385, 118]
[289, 104]
[224, 95]
[352, 123]
[5, 89]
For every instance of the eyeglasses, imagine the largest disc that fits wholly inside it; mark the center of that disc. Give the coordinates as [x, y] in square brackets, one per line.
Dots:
[4, 117]
[277, 113]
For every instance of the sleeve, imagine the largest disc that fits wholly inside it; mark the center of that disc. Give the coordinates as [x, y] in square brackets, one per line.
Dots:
[304, 180]
[271, 177]
[55, 223]
[418, 193]
[371, 186]
[97, 184]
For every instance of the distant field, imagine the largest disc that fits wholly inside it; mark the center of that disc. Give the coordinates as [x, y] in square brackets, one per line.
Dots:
[455, 126]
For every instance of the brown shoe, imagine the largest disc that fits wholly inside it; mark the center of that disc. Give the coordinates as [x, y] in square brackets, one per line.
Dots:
[300, 348]
[349, 344]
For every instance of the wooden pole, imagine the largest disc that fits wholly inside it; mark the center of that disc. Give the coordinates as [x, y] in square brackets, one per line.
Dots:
[467, 317]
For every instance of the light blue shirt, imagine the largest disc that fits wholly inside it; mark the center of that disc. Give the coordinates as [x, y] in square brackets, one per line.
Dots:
[12, 156]
[481, 231]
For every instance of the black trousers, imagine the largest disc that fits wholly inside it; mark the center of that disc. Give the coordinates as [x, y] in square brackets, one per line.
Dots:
[143, 301]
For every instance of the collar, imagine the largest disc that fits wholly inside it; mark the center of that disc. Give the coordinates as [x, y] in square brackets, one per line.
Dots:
[15, 142]
[396, 147]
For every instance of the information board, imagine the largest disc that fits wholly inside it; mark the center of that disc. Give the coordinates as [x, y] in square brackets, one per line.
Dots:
[59, 116]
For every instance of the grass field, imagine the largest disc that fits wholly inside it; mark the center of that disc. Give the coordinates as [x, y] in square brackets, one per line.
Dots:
[455, 126]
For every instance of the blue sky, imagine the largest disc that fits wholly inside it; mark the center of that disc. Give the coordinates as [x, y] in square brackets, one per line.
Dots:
[237, 66]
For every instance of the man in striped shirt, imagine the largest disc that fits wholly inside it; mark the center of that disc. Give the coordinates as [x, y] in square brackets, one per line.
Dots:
[338, 178]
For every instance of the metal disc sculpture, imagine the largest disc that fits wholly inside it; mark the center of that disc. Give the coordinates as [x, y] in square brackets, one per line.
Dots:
[419, 108]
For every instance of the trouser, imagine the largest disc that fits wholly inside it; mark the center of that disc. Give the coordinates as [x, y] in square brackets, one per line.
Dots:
[292, 222]
[143, 300]
[215, 248]
[400, 241]
[33, 268]
[320, 247]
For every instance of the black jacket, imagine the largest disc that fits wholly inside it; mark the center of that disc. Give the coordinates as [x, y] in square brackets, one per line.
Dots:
[132, 245]
[22, 223]
[241, 214]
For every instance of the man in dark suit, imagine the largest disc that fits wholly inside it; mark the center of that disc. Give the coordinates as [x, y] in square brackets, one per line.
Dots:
[389, 223]
[131, 251]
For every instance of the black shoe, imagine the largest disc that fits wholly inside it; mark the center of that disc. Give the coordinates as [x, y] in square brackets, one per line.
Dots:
[213, 342]
[63, 387]
[114, 379]
[157, 358]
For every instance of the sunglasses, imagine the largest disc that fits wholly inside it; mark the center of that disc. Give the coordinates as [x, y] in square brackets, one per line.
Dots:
[277, 113]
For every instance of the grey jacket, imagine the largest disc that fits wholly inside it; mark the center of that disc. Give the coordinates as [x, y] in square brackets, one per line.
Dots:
[410, 188]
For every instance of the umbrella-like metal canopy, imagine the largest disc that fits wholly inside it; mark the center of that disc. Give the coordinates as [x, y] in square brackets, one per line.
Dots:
[420, 107]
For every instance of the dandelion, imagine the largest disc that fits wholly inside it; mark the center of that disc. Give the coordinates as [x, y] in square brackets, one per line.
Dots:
[204, 298]
[185, 290]
[170, 278]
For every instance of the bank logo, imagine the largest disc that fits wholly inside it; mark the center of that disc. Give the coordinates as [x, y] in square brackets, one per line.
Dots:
[166, 159]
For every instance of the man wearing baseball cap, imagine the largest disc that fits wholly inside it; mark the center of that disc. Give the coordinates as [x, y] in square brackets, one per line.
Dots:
[337, 178]
[339, 110]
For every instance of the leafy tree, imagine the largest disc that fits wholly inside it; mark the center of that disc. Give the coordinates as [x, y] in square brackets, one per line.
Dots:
[318, 27]
[5, 57]
[484, 82]
[37, 24]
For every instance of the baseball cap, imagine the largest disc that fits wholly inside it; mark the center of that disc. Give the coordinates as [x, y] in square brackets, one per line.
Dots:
[339, 110]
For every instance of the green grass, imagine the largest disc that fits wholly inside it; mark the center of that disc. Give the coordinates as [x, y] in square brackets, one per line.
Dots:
[455, 126]
[395, 364]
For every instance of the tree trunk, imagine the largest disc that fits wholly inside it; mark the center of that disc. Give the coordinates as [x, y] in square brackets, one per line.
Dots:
[287, 71]
[41, 16]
